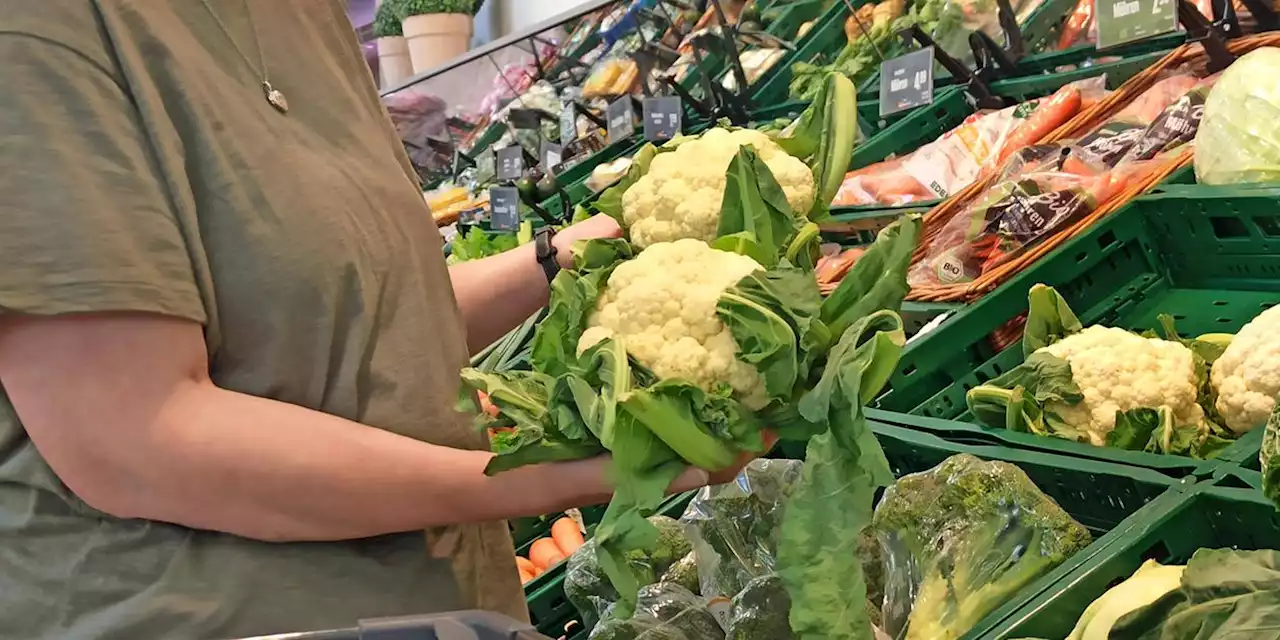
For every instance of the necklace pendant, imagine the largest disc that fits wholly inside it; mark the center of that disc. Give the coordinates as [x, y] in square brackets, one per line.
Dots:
[275, 98]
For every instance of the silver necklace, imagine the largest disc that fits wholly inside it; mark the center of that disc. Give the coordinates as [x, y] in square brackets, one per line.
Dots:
[273, 96]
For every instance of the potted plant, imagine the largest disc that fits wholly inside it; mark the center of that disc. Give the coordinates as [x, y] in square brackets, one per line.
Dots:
[393, 52]
[437, 30]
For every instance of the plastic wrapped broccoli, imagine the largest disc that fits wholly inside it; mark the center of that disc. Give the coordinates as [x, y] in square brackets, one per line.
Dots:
[588, 588]
[961, 538]
[663, 612]
[735, 527]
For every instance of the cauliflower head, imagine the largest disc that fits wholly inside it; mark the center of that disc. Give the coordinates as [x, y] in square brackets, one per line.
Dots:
[662, 305]
[680, 196]
[1247, 375]
[1117, 370]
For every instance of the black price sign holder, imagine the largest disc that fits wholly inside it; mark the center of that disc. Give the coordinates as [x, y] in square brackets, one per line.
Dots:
[550, 155]
[663, 118]
[621, 118]
[504, 208]
[906, 82]
[510, 162]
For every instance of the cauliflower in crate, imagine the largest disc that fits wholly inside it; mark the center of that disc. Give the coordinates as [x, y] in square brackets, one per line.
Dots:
[1247, 376]
[1107, 386]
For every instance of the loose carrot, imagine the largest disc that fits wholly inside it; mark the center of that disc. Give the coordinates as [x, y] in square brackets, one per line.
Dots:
[544, 553]
[567, 535]
[1049, 115]
[526, 566]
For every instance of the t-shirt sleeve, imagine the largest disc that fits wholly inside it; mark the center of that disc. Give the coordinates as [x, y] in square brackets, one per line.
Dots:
[86, 221]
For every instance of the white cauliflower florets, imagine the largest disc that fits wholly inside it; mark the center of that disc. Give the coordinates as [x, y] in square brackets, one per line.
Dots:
[1247, 375]
[1118, 371]
[680, 196]
[662, 304]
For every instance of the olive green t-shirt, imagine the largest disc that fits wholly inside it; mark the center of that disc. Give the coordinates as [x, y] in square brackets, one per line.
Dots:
[141, 169]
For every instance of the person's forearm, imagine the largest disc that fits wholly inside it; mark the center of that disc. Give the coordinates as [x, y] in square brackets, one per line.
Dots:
[497, 293]
[215, 459]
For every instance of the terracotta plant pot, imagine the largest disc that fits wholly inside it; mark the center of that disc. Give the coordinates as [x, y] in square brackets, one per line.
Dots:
[436, 38]
[393, 61]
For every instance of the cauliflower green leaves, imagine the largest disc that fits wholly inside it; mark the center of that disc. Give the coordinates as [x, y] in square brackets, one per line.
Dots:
[1107, 386]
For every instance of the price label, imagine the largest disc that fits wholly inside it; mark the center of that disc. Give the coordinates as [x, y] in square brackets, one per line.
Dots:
[504, 208]
[569, 123]
[1124, 21]
[550, 156]
[906, 82]
[662, 118]
[510, 162]
[622, 119]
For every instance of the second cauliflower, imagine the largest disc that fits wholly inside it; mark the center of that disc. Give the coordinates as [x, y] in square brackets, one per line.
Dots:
[681, 195]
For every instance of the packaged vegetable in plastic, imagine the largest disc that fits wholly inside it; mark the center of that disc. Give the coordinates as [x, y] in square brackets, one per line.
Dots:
[1042, 189]
[955, 160]
[960, 539]
[663, 612]
[587, 587]
[1239, 141]
[735, 527]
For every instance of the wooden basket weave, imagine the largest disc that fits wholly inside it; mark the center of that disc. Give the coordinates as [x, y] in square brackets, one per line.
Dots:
[1192, 55]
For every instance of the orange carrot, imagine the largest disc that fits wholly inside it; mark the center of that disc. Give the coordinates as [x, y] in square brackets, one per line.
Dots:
[1049, 115]
[526, 577]
[1076, 23]
[567, 535]
[544, 553]
[526, 566]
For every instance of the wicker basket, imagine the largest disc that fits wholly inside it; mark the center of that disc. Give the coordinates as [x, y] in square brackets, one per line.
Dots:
[935, 221]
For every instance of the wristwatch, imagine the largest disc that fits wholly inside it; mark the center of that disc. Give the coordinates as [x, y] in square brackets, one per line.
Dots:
[546, 252]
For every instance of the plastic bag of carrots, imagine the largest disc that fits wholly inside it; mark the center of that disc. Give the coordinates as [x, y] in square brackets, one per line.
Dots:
[1044, 188]
[954, 161]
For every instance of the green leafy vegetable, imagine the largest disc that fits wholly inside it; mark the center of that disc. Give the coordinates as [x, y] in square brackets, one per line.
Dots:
[1223, 593]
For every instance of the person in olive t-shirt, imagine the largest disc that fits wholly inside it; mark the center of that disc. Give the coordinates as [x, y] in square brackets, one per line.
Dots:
[229, 344]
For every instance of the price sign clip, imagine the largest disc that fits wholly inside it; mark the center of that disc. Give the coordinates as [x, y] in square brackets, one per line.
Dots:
[1210, 35]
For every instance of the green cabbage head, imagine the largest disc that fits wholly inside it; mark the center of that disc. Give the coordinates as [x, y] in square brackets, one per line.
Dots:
[1239, 137]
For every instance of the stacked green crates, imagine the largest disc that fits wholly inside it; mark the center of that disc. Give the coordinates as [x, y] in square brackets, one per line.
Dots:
[1200, 254]
[1213, 514]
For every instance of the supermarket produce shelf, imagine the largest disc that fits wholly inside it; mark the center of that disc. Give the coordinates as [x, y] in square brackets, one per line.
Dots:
[1181, 251]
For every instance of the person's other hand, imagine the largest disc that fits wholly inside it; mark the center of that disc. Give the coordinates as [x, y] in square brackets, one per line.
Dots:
[698, 478]
[597, 226]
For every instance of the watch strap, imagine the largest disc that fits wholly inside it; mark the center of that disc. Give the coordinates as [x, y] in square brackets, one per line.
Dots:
[546, 252]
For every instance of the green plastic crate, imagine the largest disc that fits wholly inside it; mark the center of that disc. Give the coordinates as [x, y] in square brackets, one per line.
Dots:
[1168, 531]
[1124, 271]
[1100, 495]
[549, 610]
